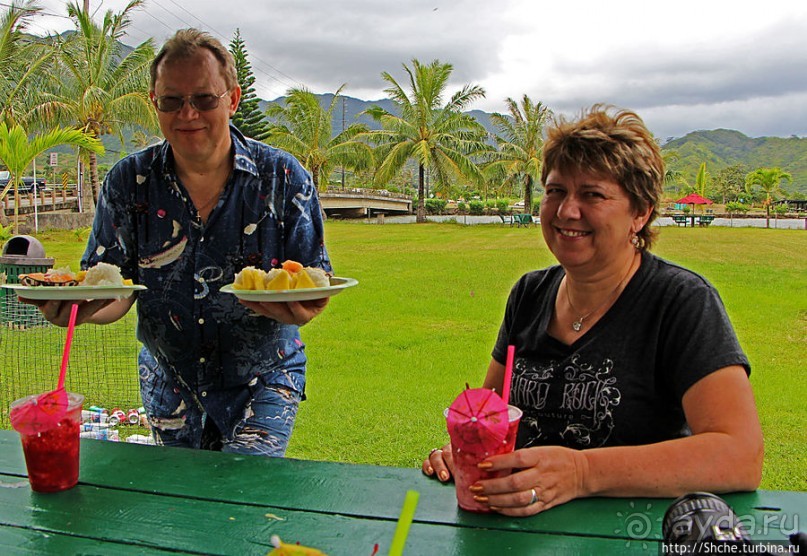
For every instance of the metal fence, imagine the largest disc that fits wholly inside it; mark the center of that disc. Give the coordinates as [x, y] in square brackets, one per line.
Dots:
[103, 359]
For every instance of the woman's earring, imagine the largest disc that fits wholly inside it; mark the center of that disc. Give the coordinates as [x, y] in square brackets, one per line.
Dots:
[635, 241]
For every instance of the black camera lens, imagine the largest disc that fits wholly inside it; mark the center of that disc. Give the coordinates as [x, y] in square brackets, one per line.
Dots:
[699, 519]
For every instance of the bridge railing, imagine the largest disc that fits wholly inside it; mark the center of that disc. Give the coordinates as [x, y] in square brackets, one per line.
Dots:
[365, 192]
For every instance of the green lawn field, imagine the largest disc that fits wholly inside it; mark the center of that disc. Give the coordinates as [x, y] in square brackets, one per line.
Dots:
[390, 354]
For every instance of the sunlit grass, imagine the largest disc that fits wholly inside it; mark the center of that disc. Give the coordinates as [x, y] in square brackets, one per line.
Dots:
[390, 354]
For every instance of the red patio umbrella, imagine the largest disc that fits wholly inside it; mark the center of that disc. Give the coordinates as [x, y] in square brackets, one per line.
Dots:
[477, 421]
[693, 199]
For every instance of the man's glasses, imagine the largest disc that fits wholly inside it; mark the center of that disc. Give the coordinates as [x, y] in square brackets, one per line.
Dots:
[201, 102]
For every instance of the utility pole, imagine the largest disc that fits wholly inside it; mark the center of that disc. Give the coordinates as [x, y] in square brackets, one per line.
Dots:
[343, 129]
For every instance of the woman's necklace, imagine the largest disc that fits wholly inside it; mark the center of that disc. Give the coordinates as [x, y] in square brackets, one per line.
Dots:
[577, 325]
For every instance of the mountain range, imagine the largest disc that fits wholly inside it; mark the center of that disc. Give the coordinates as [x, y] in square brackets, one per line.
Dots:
[719, 148]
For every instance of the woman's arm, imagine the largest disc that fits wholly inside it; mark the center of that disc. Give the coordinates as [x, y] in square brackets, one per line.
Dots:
[723, 454]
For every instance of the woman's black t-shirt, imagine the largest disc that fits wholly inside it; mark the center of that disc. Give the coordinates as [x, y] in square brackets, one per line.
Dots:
[622, 381]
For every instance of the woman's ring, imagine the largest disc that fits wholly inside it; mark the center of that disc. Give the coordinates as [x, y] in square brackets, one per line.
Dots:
[534, 498]
[435, 450]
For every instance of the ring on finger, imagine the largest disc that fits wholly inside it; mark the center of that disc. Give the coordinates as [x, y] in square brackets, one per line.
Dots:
[534, 498]
[435, 450]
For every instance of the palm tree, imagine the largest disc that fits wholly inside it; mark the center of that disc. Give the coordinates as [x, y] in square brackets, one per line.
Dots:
[438, 136]
[102, 89]
[770, 181]
[22, 63]
[304, 128]
[520, 143]
[672, 178]
[701, 180]
[140, 139]
[17, 152]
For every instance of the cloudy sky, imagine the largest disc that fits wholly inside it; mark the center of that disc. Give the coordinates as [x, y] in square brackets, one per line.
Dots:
[683, 66]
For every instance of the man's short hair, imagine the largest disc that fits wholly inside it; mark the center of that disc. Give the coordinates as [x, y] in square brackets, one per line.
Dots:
[186, 43]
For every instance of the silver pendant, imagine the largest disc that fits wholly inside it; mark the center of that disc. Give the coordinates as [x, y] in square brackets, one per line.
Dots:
[577, 325]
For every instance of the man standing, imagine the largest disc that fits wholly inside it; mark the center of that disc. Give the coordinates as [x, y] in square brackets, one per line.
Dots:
[182, 218]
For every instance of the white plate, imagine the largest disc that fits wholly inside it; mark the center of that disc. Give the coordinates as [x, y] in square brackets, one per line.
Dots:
[337, 285]
[73, 293]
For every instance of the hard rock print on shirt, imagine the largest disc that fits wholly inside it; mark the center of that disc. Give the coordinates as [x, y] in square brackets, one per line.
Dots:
[568, 403]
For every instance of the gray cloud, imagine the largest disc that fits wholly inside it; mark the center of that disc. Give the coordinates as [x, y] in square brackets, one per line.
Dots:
[751, 78]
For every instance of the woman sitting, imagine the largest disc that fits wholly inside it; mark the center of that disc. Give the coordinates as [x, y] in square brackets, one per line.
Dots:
[628, 372]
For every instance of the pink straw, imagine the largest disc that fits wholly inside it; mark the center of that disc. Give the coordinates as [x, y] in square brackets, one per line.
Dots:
[71, 325]
[508, 373]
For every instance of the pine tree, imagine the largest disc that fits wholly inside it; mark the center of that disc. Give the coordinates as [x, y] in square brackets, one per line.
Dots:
[248, 118]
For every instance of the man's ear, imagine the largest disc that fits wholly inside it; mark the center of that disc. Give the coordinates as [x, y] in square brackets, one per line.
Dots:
[235, 98]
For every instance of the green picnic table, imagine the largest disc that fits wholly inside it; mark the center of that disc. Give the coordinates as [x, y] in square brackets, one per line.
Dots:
[137, 499]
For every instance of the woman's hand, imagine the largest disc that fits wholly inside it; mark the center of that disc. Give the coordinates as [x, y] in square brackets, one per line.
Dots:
[439, 464]
[292, 312]
[542, 478]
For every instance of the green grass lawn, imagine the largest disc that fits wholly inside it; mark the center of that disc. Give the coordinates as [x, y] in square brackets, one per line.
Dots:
[390, 354]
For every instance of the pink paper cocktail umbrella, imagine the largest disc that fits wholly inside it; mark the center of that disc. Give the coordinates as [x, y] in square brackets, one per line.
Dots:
[477, 421]
[46, 410]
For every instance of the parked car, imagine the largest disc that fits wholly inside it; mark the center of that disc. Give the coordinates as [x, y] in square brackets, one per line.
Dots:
[27, 182]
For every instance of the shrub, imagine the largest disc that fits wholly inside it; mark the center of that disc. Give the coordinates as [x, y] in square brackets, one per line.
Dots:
[476, 207]
[462, 208]
[503, 206]
[435, 206]
[735, 207]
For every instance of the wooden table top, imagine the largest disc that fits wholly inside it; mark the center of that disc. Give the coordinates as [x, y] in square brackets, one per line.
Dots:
[136, 499]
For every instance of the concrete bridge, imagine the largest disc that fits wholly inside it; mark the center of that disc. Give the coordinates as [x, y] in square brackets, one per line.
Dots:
[338, 202]
[358, 203]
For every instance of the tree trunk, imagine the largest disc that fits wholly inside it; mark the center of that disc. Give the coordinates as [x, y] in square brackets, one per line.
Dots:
[87, 204]
[528, 195]
[315, 177]
[16, 207]
[421, 208]
[94, 179]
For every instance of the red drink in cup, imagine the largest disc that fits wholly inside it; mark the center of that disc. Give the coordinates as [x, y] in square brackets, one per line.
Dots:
[52, 449]
[466, 472]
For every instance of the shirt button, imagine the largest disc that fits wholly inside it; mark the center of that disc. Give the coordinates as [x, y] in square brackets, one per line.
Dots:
[201, 321]
[202, 360]
[204, 394]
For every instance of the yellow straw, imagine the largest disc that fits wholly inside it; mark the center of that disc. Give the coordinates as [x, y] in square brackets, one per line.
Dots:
[404, 522]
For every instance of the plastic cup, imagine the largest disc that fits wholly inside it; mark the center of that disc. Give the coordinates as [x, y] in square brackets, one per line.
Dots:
[51, 455]
[466, 472]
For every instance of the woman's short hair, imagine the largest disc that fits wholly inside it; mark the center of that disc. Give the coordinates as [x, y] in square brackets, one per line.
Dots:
[186, 43]
[619, 147]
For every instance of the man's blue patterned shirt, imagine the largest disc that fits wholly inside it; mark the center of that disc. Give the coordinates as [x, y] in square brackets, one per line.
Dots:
[147, 225]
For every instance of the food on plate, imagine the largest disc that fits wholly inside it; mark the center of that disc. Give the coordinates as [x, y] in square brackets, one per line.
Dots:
[289, 549]
[53, 277]
[291, 276]
[102, 274]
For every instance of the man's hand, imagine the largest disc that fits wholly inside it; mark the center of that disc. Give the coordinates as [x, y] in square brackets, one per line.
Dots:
[58, 312]
[293, 312]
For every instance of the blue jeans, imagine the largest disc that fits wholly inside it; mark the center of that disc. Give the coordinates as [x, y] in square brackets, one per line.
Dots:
[254, 419]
